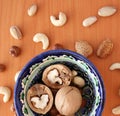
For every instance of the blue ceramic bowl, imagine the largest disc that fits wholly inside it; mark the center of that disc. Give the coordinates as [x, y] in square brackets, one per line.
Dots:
[93, 92]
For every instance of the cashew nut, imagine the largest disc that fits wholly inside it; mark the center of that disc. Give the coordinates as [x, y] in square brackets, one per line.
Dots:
[40, 102]
[59, 22]
[115, 66]
[6, 92]
[116, 110]
[16, 75]
[40, 37]
[53, 76]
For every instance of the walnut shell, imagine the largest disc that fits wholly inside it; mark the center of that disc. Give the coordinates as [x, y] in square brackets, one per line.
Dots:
[68, 100]
[64, 74]
[38, 90]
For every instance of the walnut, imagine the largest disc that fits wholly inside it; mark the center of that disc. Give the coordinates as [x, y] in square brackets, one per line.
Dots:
[57, 76]
[40, 98]
[68, 100]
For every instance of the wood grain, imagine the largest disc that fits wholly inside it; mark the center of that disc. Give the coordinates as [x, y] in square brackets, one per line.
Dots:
[14, 12]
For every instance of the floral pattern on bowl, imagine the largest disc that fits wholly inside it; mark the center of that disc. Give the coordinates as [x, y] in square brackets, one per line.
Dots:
[93, 91]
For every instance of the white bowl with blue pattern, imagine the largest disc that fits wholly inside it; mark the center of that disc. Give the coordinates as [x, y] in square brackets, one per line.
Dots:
[93, 92]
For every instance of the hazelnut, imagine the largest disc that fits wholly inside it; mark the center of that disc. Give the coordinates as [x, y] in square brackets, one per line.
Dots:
[57, 46]
[68, 100]
[2, 67]
[54, 91]
[15, 51]
[53, 111]
[40, 98]
[57, 76]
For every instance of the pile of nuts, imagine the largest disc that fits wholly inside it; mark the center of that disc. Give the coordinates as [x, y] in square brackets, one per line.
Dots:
[82, 47]
[57, 93]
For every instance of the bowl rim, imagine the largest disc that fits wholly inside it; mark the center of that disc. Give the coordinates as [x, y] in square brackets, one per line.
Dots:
[45, 54]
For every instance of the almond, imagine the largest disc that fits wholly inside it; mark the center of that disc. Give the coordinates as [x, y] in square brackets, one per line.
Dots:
[107, 11]
[84, 48]
[15, 32]
[105, 48]
[32, 10]
[89, 21]
[79, 81]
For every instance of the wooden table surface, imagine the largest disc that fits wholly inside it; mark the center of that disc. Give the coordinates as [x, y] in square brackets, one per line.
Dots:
[14, 12]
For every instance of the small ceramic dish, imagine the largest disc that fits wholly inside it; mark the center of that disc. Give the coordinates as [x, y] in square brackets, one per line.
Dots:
[93, 92]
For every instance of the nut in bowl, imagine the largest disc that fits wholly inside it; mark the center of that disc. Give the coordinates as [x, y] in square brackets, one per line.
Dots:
[60, 63]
